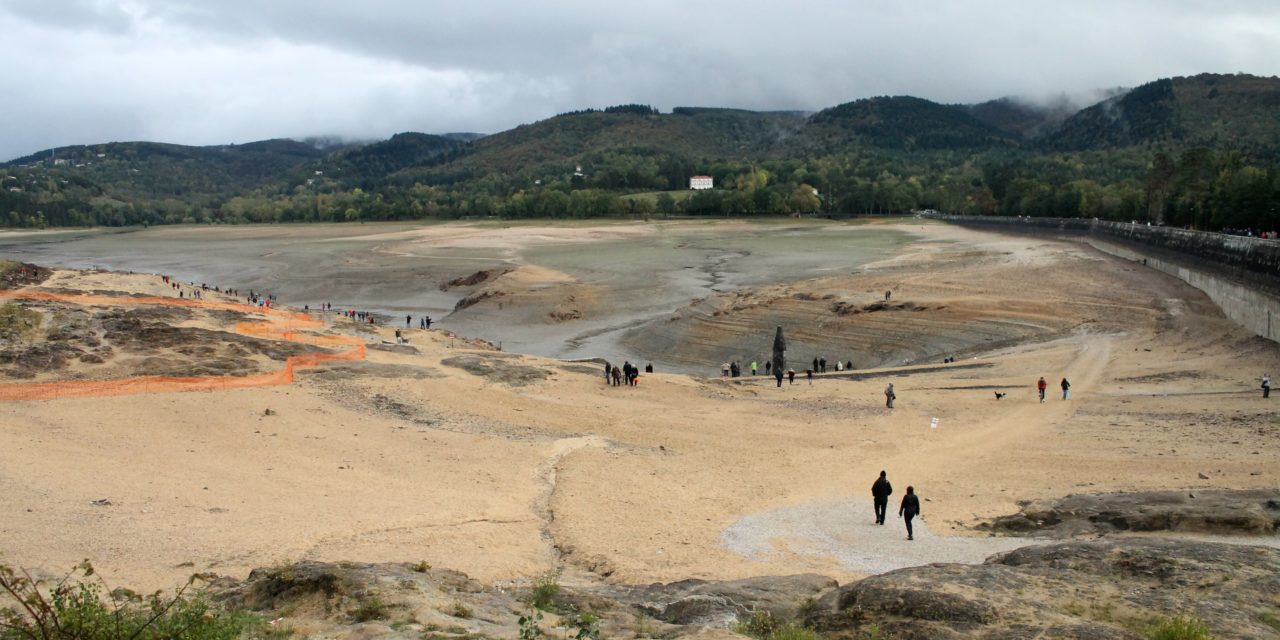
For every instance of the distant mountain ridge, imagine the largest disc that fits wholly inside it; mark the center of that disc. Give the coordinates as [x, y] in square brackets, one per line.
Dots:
[1208, 109]
[872, 154]
[1204, 109]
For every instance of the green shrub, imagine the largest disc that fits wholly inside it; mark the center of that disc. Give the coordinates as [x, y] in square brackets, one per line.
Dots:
[75, 608]
[1181, 627]
[545, 590]
[459, 610]
[529, 629]
[763, 625]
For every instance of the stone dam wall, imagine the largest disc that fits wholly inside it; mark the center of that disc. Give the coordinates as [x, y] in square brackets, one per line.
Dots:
[1240, 274]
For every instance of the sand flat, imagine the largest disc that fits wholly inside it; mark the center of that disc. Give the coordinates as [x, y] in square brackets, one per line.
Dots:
[504, 465]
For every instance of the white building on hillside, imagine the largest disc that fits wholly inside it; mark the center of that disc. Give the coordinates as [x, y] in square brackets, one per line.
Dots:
[700, 182]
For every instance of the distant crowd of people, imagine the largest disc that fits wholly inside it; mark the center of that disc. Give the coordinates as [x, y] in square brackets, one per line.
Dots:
[628, 374]
[193, 290]
[734, 370]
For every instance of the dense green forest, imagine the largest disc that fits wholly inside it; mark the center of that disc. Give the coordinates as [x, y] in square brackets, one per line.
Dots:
[1201, 152]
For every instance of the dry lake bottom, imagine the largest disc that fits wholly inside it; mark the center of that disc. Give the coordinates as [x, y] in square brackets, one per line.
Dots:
[503, 464]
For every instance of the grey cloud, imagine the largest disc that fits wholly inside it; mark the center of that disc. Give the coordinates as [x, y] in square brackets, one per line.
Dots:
[202, 72]
[72, 15]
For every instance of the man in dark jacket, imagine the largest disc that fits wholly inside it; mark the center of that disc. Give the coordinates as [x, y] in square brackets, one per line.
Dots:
[880, 492]
[910, 508]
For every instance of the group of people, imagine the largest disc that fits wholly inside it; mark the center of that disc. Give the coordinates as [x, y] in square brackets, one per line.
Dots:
[197, 291]
[820, 365]
[907, 510]
[734, 370]
[423, 323]
[628, 374]
[359, 316]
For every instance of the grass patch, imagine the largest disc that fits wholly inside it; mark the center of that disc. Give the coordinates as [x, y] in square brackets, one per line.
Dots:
[1181, 627]
[17, 323]
[1270, 619]
[762, 625]
[652, 196]
[370, 608]
[459, 610]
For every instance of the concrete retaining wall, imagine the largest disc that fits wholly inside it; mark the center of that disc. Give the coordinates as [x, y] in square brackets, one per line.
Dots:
[1241, 275]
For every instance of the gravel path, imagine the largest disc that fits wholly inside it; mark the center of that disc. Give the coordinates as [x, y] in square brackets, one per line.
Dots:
[845, 530]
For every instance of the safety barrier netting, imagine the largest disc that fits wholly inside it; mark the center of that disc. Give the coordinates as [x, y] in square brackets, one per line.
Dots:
[279, 325]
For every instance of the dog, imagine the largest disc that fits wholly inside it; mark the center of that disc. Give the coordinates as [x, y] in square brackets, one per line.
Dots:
[999, 395]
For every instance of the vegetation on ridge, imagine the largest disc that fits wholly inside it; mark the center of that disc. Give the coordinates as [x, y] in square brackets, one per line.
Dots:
[1199, 151]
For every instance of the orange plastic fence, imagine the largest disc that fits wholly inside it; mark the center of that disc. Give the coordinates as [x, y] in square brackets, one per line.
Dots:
[280, 325]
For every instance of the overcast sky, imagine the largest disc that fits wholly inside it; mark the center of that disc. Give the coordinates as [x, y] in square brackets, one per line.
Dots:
[220, 71]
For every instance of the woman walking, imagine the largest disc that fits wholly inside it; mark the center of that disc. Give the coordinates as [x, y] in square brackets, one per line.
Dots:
[909, 509]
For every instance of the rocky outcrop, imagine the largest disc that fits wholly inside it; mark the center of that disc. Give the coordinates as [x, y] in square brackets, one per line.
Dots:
[1098, 589]
[1248, 512]
[479, 277]
[723, 603]
[1114, 589]
[496, 367]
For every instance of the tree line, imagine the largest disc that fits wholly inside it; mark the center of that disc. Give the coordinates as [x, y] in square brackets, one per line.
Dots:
[1198, 187]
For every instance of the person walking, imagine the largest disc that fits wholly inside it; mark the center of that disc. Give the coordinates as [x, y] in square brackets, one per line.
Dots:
[1042, 385]
[791, 376]
[608, 371]
[753, 367]
[889, 396]
[880, 492]
[808, 373]
[1066, 389]
[822, 365]
[1266, 385]
[909, 509]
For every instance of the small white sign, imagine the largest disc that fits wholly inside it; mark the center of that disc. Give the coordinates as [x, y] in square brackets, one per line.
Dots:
[933, 424]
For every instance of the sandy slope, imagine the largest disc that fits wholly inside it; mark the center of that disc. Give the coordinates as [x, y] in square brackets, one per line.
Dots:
[426, 456]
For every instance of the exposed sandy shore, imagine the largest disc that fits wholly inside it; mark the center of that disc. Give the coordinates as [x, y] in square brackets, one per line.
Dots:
[410, 456]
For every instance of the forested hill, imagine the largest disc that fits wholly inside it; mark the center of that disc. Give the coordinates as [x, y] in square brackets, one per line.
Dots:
[559, 144]
[1199, 151]
[901, 122]
[149, 170]
[1215, 111]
